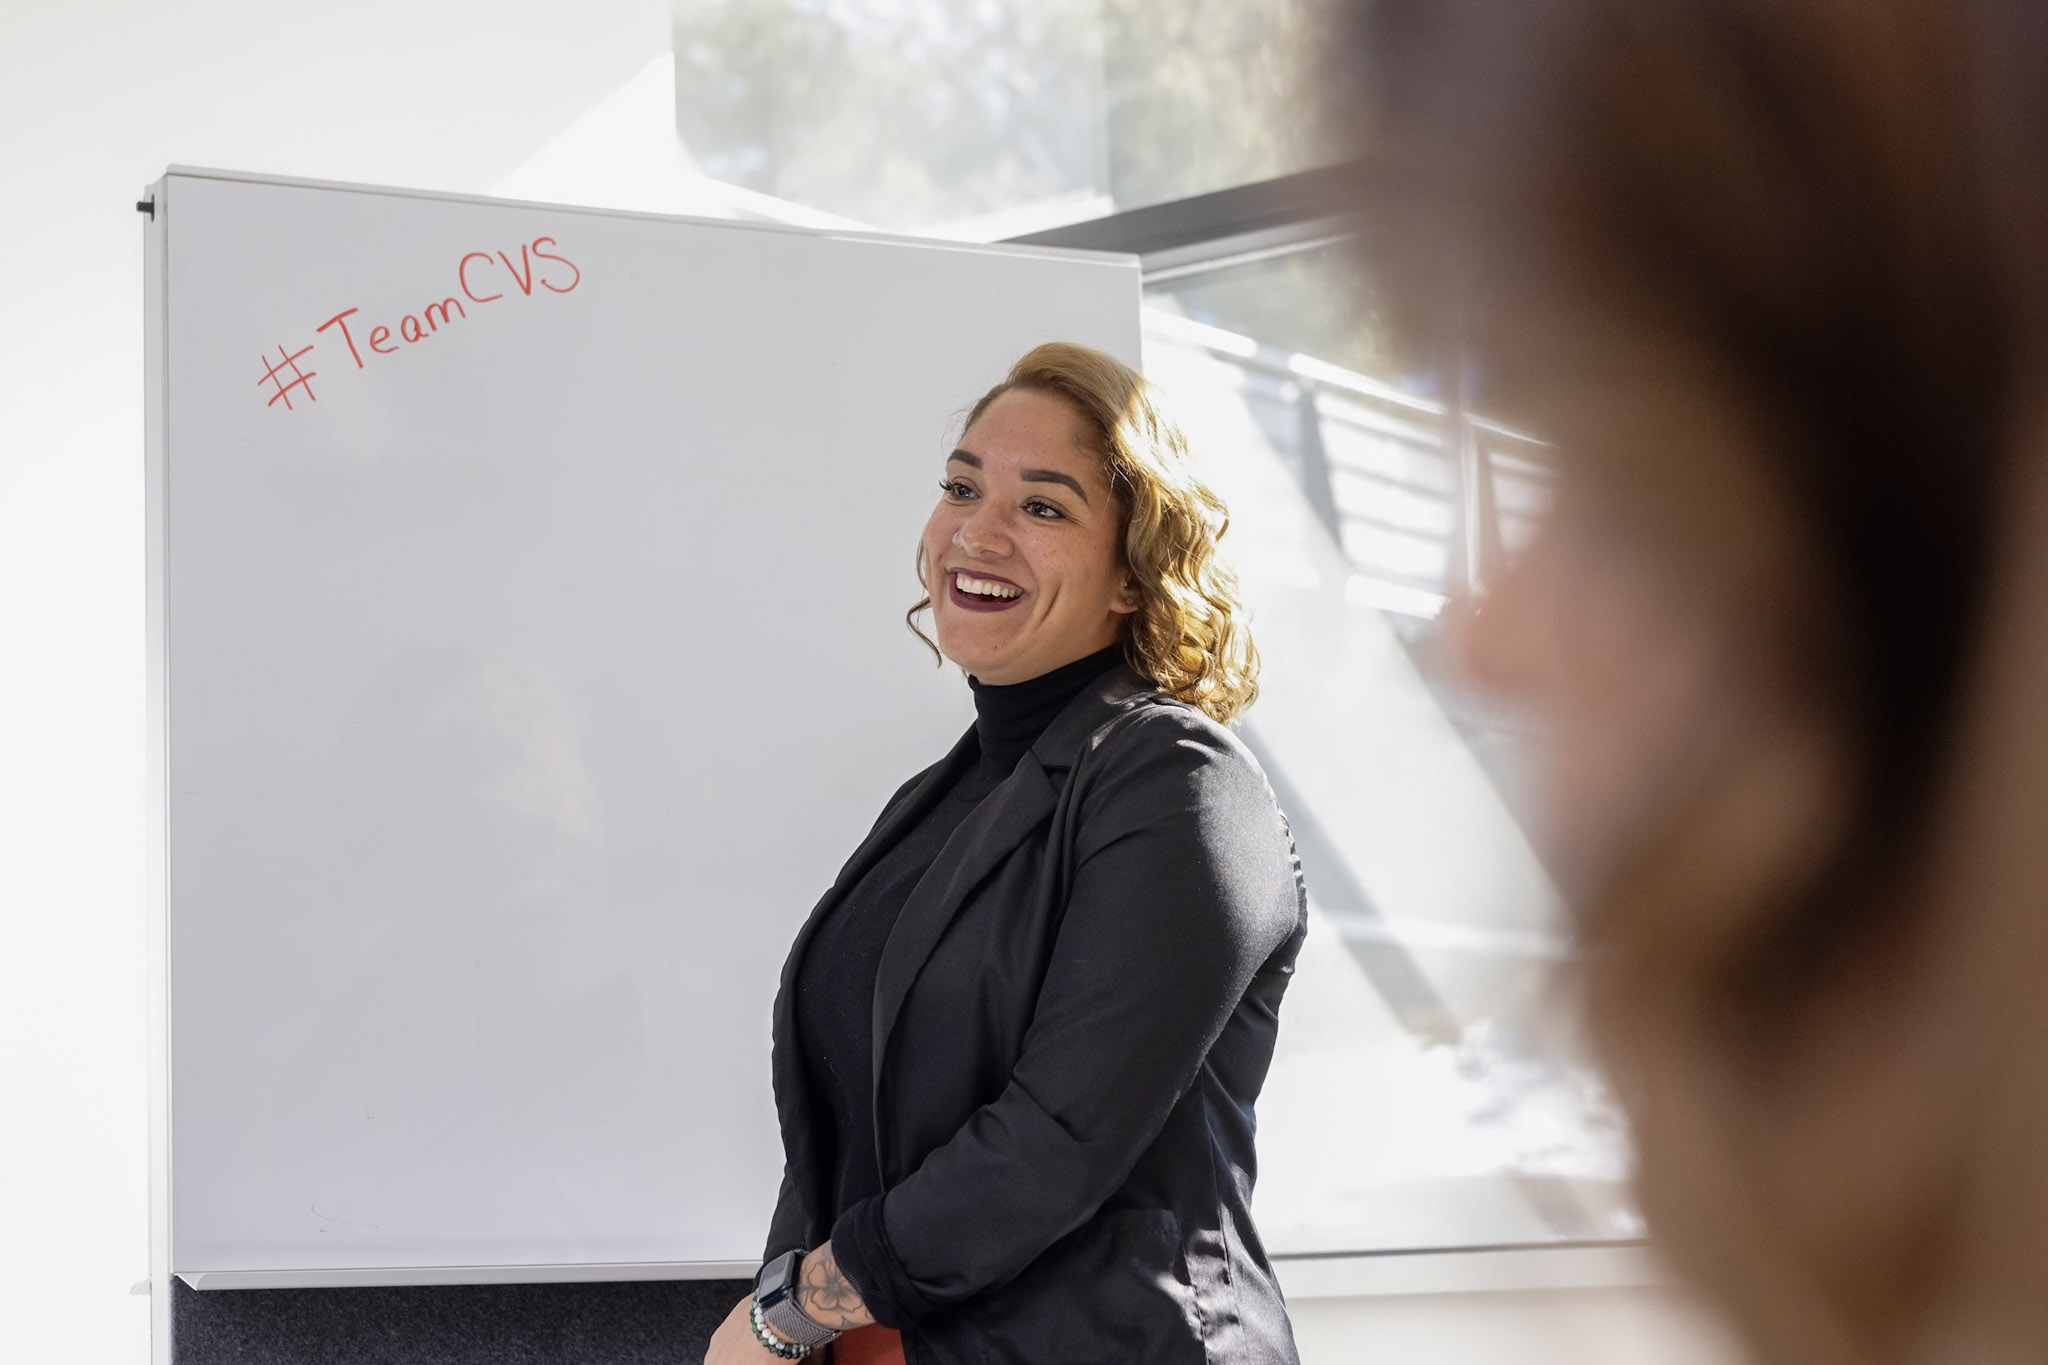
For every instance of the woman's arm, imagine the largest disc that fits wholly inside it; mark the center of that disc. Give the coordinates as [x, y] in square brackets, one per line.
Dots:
[1184, 887]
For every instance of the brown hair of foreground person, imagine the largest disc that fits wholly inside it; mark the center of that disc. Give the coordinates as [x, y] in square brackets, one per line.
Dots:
[1773, 276]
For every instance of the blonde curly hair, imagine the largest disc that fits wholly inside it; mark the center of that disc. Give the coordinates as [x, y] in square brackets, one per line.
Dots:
[1189, 635]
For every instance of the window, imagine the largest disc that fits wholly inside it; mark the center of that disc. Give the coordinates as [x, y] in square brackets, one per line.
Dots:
[988, 118]
[1427, 1091]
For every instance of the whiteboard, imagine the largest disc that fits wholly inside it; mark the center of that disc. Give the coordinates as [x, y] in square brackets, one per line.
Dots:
[527, 655]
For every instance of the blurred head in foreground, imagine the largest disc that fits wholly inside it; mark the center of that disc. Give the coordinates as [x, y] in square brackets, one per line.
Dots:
[1773, 277]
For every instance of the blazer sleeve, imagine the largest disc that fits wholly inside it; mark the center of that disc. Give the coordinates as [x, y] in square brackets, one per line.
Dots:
[1185, 884]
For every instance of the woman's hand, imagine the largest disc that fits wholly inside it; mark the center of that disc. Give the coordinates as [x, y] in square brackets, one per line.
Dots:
[733, 1343]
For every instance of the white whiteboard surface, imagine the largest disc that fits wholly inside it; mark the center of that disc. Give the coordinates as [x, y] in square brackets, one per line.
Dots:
[519, 688]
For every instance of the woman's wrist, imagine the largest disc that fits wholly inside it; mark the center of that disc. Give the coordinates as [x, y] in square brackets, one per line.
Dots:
[776, 1316]
[825, 1294]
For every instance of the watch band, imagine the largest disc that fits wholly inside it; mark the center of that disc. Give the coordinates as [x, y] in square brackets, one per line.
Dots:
[788, 1350]
[789, 1321]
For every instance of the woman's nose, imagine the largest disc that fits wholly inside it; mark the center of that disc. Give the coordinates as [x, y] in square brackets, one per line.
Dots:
[981, 534]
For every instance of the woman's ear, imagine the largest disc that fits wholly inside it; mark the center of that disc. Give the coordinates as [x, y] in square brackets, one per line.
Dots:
[1127, 597]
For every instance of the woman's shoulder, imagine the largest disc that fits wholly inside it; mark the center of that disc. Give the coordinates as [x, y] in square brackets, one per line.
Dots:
[1194, 794]
[1149, 719]
[1151, 734]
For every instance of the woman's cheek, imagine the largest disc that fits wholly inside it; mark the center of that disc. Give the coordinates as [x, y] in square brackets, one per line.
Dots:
[932, 548]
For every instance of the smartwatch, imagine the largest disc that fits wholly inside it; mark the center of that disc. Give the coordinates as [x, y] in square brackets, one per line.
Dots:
[790, 1331]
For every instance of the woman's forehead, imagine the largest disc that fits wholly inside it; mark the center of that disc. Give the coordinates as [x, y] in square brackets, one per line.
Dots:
[1026, 428]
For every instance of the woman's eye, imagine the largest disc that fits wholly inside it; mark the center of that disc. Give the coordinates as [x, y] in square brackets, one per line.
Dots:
[1043, 509]
[953, 488]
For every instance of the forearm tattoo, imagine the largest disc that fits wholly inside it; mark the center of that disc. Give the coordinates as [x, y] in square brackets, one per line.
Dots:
[827, 1297]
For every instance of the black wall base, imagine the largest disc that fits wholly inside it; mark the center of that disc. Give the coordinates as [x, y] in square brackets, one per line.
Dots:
[651, 1322]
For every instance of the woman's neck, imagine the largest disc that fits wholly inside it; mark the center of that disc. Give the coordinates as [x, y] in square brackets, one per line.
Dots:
[1009, 719]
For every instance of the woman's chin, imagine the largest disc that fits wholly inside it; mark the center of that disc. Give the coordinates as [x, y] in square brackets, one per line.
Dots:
[971, 655]
[980, 668]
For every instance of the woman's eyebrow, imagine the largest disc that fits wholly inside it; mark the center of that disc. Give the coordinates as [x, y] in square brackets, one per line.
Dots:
[1054, 476]
[968, 457]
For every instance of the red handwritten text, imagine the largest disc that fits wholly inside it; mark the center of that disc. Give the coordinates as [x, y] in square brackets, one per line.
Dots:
[481, 277]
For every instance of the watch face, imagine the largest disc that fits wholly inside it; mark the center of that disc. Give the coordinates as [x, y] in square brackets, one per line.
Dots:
[775, 1276]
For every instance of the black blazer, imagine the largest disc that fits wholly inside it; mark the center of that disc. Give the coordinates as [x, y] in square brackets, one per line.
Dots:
[1073, 1016]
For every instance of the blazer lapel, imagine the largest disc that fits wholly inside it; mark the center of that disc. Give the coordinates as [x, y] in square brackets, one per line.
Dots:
[937, 781]
[1002, 821]
[1073, 729]
[1015, 808]
[791, 1084]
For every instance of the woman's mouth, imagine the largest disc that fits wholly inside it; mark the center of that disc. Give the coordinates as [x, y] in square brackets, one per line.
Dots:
[976, 592]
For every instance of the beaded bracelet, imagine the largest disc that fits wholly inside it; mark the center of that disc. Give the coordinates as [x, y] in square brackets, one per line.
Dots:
[788, 1350]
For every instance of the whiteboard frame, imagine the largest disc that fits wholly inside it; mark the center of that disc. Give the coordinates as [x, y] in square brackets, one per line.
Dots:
[156, 407]
[595, 1272]
[748, 224]
[1388, 1274]
[156, 740]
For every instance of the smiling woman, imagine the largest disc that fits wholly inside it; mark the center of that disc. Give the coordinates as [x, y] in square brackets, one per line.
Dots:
[1018, 1043]
[1068, 420]
[1023, 543]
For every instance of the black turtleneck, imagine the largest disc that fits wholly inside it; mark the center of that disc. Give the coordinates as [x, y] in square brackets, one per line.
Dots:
[836, 982]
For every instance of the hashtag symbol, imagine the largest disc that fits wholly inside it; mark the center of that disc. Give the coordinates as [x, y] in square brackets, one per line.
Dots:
[275, 374]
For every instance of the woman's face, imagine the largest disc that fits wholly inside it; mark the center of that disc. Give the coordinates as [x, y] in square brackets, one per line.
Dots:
[1021, 554]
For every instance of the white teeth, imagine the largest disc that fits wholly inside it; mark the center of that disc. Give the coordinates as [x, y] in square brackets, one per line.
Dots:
[982, 587]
